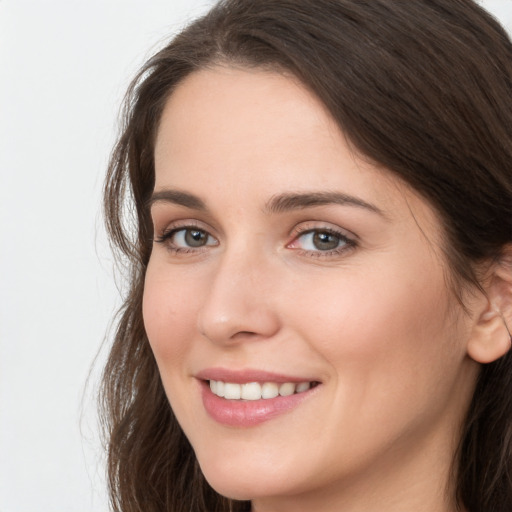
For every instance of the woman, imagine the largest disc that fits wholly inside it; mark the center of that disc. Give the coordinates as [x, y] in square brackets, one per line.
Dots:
[321, 272]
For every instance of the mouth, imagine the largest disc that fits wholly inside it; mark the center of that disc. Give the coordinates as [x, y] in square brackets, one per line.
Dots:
[258, 390]
[249, 398]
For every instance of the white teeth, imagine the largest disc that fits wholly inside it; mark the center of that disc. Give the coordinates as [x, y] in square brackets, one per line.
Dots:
[269, 390]
[255, 390]
[251, 391]
[287, 389]
[232, 391]
[303, 386]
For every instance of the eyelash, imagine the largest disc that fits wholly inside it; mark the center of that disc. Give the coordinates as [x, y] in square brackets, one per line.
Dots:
[166, 236]
[348, 243]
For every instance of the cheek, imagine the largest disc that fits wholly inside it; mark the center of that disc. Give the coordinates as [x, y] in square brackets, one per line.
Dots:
[169, 313]
[387, 337]
[372, 312]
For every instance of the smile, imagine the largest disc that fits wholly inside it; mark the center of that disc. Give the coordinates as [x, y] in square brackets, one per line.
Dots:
[248, 398]
[256, 390]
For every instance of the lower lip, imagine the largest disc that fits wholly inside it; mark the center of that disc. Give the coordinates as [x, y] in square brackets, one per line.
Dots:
[248, 413]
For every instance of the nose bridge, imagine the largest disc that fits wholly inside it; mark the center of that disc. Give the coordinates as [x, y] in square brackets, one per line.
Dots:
[237, 302]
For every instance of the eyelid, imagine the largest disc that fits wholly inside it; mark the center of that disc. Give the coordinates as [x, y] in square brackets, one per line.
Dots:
[350, 239]
[174, 225]
[306, 227]
[164, 235]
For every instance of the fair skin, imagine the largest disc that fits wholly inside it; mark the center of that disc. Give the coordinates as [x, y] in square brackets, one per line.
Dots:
[341, 284]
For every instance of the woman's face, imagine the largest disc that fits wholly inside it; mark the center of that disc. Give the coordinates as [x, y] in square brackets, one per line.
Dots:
[283, 263]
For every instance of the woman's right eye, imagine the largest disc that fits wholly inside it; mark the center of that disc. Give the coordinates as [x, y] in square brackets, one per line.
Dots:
[186, 239]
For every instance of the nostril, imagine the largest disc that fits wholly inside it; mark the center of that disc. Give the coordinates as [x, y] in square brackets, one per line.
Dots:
[245, 335]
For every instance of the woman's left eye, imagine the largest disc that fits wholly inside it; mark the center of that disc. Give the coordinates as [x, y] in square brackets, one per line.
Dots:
[324, 241]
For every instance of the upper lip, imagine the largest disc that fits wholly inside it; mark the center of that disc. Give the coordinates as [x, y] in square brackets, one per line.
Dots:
[248, 375]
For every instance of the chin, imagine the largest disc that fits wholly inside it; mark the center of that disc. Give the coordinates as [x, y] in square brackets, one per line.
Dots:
[245, 482]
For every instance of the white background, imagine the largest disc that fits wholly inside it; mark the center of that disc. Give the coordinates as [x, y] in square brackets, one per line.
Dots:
[64, 66]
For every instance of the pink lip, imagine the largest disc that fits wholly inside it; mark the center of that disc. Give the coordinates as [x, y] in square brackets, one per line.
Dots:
[249, 375]
[248, 413]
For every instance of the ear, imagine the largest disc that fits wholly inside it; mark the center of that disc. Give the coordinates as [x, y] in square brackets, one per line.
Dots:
[490, 338]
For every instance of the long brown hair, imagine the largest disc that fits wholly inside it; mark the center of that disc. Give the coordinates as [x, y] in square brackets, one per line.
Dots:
[421, 87]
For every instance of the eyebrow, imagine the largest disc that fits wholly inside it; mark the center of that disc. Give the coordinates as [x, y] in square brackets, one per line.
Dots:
[297, 201]
[177, 197]
[281, 203]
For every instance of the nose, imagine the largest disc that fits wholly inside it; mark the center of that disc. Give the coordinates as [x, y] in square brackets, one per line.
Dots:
[237, 306]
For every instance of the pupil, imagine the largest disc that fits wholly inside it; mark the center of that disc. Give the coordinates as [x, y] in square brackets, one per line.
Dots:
[325, 241]
[195, 237]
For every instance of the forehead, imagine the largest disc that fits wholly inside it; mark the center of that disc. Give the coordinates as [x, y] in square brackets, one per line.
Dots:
[225, 120]
[231, 107]
[263, 133]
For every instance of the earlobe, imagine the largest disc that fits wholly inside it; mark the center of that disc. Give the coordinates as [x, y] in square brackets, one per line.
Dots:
[491, 338]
